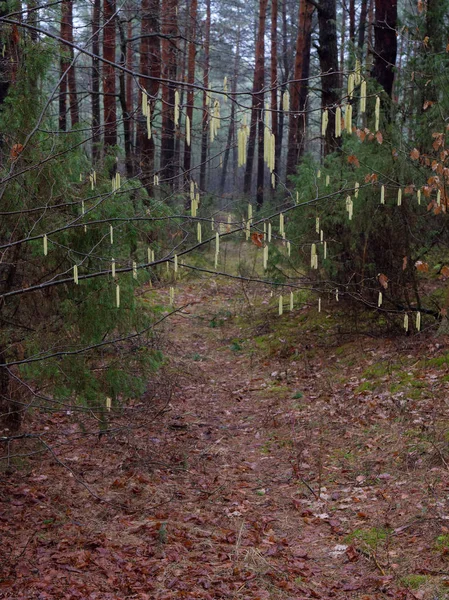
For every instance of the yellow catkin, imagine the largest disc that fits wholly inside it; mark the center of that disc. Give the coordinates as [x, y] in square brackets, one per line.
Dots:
[327, 180]
[317, 225]
[175, 263]
[406, 322]
[134, 270]
[418, 195]
[356, 189]
[379, 300]
[156, 180]
[177, 100]
[348, 118]
[289, 249]
[212, 224]
[297, 197]
[108, 404]
[286, 101]
[273, 180]
[312, 255]
[321, 236]
[265, 257]
[377, 114]
[439, 197]
[281, 305]
[75, 274]
[281, 224]
[149, 255]
[188, 130]
[349, 206]
[418, 321]
[318, 174]
[217, 243]
[382, 195]
[325, 251]
[336, 295]
[148, 115]
[338, 122]
[319, 304]
[144, 103]
[292, 301]
[269, 232]
[399, 196]
[111, 234]
[351, 85]
[172, 296]
[113, 268]
[198, 233]
[363, 98]
[45, 245]
[247, 230]
[324, 122]
[117, 296]
[250, 212]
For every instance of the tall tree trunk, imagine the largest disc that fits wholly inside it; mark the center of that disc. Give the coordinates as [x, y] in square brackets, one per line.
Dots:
[342, 41]
[190, 81]
[129, 81]
[299, 88]
[95, 77]
[109, 87]
[257, 124]
[385, 43]
[328, 56]
[352, 23]
[285, 77]
[169, 29]
[362, 27]
[126, 115]
[150, 64]
[64, 64]
[231, 131]
[274, 79]
[205, 120]
[71, 75]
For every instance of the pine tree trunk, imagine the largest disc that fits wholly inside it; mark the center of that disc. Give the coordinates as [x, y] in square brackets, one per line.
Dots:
[385, 43]
[285, 77]
[126, 113]
[95, 78]
[274, 80]
[231, 130]
[205, 120]
[299, 88]
[150, 64]
[109, 86]
[71, 75]
[257, 125]
[190, 81]
[328, 56]
[129, 83]
[169, 30]
[362, 27]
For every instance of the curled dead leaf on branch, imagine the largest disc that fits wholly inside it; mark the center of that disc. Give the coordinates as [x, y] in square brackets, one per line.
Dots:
[421, 266]
[16, 151]
[257, 239]
[383, 280]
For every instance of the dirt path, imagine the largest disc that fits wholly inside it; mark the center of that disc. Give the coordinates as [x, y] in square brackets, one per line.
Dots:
[266, 477]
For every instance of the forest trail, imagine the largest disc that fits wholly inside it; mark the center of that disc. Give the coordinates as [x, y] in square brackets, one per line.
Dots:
[268, 475]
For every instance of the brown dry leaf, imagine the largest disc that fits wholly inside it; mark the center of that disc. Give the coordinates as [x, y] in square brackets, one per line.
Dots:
[421, 266]
[353, 160]
[426, 104]
[445, 271]
[404, 263]
[379, 137]
[414, 154]
[15, 151]
[383, 280]
[257, 239]
[420, 6]
[409, 189]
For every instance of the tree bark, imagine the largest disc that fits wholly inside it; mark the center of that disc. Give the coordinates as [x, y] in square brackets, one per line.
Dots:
[328, 57]
[150, 64]
[362, 27]
[205, 121]
[169, 29]
[385, 43]
[299, 88]
[257, 124]
[274, 80]
[95, 77]
[190, 81]
[126, 114]
[109, 86]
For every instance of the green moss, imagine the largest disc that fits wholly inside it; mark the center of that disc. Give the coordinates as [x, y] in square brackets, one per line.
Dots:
[414, 581]
[370, 537]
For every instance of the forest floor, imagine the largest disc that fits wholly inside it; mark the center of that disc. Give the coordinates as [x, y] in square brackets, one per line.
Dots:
[296, 458]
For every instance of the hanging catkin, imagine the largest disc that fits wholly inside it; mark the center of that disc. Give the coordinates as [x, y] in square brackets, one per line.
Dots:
[377, 114]
[176, 116]
[324, 122]
[363, 98]
[75, 274]
[281, 305]
[45, 245]
[188, 130]
[338, 122]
